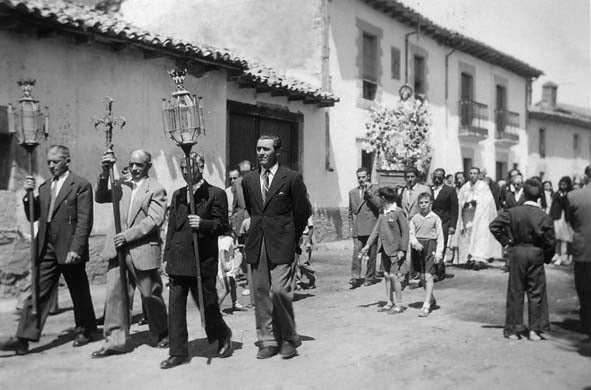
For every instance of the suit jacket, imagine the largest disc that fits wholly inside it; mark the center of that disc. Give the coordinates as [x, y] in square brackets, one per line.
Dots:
[446, 207]
[211, 205]
[508, 198]
[410, 204]
[579, 214]
[238, 206]
[280, 220]
[526, 225]
[363, 212]
[391, 233]
[140, 223]
[72, 217]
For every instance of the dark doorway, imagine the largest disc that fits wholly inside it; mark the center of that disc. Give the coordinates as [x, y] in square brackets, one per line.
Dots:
[247, 122]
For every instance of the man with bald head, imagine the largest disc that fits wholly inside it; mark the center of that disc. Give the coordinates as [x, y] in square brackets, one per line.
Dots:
[142, 202]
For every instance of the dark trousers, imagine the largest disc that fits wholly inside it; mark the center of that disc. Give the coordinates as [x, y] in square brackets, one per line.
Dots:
[440, 268]
[150, 285]
[356, 264]
[526, 275]
[179, 288]
[583, 287]
[49, 273]
[273, 286]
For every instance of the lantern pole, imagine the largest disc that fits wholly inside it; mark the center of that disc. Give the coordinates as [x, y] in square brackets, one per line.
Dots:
[25, 122]
[107, 123]
[184, 132]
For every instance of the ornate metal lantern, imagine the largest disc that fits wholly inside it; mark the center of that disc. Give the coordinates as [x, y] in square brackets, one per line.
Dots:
[26, 119]
[183, 115]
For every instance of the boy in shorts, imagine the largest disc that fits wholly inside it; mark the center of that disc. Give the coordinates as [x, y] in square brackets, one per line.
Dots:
[391, 233]
[426, 241]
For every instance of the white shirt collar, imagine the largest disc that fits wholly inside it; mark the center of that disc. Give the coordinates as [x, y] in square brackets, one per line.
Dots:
[62, 177]
[137, 184]
[531, 203]
[272, 170]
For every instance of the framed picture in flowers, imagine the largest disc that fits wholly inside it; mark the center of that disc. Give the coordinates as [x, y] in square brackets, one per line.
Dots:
[400, 136]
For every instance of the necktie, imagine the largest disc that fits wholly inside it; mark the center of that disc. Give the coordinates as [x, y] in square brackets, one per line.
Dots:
[52, 199]
[265, 184]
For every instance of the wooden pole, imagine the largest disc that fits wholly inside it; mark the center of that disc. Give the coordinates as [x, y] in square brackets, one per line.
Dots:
[187, 150]
[34, 268]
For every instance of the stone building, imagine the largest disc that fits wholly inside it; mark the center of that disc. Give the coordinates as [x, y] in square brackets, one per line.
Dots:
[364, 51]
[559, 137]
[79, 55]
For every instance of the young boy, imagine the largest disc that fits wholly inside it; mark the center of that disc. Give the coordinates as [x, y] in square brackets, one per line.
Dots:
[230, 259]
[426, 241]
[391, 233]
[527, 235]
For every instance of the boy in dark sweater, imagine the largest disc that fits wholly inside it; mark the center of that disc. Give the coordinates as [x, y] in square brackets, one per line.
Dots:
[527, 235]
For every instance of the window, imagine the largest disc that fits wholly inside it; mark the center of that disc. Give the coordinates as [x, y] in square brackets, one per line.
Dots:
[467, 164]
[367, 160]
[542, 143]
[395, 63]
[576, 144]
[419, 74]
[501, 107]
[466, 107]
[501, 170]
[370, 66]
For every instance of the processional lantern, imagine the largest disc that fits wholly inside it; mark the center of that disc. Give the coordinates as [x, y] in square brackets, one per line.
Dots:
[183, 114]
[26, 120]
[184, 123]
[30, 125]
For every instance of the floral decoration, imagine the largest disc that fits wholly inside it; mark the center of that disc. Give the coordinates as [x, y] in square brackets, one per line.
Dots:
[401, 136]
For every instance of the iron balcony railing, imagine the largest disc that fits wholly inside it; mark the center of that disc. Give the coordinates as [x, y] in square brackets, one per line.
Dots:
[473, 117]
[507, 125]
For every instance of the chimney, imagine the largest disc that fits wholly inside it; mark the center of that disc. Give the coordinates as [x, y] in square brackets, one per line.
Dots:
[549, 90]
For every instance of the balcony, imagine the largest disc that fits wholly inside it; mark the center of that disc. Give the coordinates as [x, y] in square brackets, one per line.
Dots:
[507, 128]
[473, 117]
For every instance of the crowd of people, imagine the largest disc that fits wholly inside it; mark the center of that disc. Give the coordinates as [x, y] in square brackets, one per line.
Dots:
[259, 231]
[476, 221]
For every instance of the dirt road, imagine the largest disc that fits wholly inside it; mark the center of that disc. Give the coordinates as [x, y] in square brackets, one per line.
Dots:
[347, 343]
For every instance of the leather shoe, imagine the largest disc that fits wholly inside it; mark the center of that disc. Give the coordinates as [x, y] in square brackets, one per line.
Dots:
[143, 321]
[173, 361]
[18, 345]
[225, 345]
[288, 348]
[81, 340]
[105, 352]
[163, 343]
[267, 352]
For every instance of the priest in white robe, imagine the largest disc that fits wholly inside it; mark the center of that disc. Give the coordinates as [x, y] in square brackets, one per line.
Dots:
[476, 244]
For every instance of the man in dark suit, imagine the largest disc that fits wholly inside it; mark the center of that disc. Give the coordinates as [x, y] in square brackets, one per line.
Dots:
[445, 205]
[527, 234]
[142, 201]
[277, 202]
[579, 211]
[64, 211]
[364, 207]
[512, 193]
[210, 220]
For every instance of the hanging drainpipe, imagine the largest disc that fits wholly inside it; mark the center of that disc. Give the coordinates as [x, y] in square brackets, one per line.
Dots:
[417, 31]
[447, 88]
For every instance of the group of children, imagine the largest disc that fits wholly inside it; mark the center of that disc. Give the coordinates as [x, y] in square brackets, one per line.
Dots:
[423, 236]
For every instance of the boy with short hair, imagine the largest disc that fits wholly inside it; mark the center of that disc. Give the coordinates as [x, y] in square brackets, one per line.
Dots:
[527, 234]
[426, 241]
[391, 233]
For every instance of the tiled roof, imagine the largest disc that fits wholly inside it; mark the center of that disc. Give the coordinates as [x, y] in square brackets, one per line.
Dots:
[81, 19]
[563, 113]
[451, 38]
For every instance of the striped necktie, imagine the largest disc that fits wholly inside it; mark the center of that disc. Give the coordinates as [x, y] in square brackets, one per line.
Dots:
[266, 184]
[52, 199]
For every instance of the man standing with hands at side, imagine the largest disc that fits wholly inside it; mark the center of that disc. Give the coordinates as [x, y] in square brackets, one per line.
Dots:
[364, 208]
[143, 206]
[64, 211]
[445, 205]
[277, 202]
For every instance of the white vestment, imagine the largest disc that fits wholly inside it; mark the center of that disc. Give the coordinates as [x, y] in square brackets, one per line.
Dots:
[475, 240]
